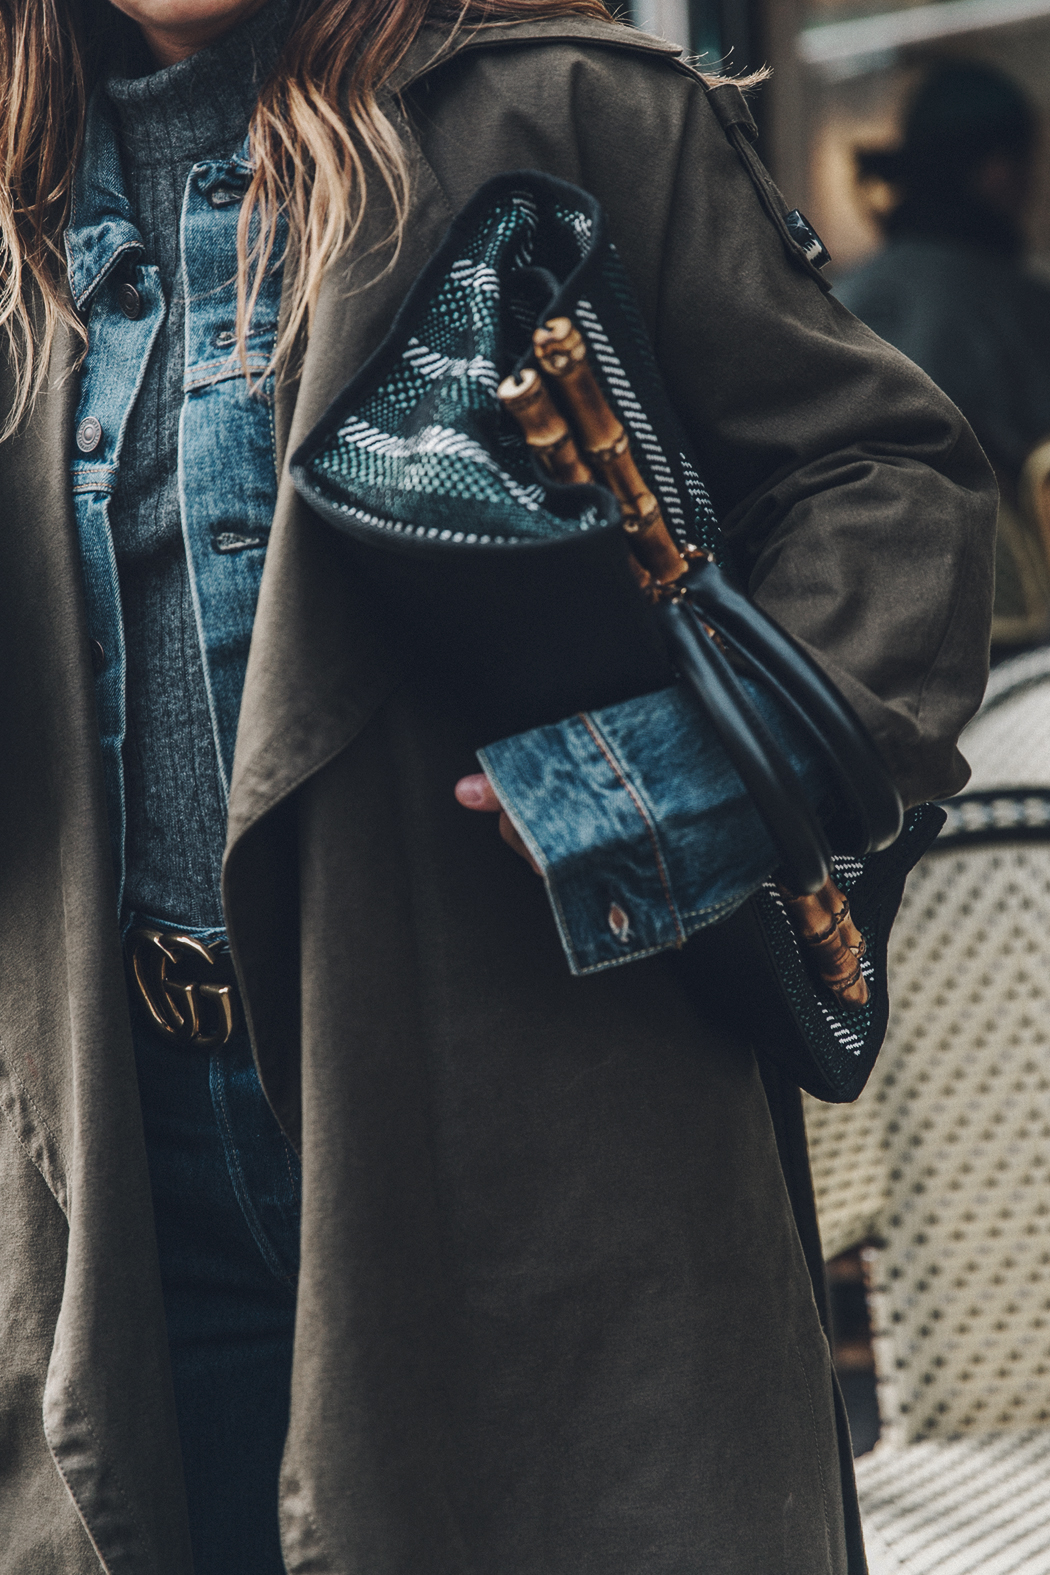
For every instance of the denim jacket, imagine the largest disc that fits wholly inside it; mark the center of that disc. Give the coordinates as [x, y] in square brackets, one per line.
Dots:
[640, 825]
[225, 442]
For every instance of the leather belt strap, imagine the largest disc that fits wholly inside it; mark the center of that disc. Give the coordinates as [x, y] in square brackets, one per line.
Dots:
[189, 989]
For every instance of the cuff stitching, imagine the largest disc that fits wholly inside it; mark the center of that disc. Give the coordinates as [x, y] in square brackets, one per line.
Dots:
[715, 910]
[614, 765]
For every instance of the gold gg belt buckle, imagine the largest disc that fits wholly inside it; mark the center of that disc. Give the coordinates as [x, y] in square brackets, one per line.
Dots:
[189, 989]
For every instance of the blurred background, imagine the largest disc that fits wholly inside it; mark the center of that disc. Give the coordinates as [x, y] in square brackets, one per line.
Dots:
[912, 134]
[843, 71]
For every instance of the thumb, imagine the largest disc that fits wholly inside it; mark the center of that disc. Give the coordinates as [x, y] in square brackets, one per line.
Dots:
[477, 792]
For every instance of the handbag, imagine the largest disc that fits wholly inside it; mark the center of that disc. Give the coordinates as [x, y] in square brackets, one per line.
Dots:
[473, 536]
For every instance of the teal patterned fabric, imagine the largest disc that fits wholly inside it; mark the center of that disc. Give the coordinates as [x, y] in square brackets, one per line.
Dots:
[420, 446]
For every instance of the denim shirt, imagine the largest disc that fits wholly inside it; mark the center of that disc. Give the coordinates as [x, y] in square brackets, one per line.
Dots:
[639, 823]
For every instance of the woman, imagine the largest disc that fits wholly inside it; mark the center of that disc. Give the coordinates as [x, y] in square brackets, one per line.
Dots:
[549, 1306]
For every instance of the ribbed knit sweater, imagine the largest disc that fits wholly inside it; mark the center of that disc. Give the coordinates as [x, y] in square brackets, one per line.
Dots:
[176, 820]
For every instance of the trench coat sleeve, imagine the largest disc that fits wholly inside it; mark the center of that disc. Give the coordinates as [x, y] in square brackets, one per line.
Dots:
[858, 504]
[856, 498]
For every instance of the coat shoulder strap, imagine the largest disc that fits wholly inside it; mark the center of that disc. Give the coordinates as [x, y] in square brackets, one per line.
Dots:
[801, 241]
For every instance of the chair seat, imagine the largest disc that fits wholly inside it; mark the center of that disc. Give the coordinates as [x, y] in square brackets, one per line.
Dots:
[966, 1506]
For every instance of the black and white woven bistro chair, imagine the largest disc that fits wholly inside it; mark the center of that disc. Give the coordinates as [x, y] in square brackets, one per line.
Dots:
[944, 1164]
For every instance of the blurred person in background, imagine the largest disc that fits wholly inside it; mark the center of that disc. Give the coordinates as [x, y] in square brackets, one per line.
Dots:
[951, 291]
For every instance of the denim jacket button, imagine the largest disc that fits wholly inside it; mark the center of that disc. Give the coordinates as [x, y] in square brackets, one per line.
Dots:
[89, 435]
[130, 302]
[619, 923]
[98, 656]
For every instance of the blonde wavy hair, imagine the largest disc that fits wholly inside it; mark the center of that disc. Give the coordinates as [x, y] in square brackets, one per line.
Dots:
[317, 127]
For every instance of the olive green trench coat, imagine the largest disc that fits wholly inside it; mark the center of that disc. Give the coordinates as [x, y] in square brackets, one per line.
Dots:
[554, 1316]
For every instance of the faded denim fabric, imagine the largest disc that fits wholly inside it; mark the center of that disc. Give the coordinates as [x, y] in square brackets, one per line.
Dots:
[642, 828]
[226, 437]
[102, 237]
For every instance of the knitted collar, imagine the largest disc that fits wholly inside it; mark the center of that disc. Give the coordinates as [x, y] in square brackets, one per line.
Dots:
[202, 105]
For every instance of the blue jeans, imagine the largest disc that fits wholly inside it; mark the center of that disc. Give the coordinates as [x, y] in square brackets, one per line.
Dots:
[226, 1197]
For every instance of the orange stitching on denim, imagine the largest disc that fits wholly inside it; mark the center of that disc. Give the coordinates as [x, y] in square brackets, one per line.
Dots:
[636, 801]
[288, 1152]
[246, 1204]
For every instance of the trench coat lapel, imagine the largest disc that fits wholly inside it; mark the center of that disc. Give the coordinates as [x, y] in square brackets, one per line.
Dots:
[319, 666]
[319, 663]
[67, 1073]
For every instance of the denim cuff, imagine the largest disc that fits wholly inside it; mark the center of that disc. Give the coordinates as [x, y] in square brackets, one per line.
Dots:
[642, 828]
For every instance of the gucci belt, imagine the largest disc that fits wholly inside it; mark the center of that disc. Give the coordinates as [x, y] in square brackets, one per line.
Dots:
[189, 989]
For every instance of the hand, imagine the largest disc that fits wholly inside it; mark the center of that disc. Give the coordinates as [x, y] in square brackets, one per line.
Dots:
[477, 793]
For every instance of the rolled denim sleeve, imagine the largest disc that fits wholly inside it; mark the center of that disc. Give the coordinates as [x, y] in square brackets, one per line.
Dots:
[640, 824]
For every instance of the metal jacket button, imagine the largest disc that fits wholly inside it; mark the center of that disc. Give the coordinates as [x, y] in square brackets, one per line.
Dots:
[130, 301]
[89, 435]
[98, 656]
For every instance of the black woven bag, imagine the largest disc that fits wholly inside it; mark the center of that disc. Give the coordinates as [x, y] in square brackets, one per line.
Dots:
[472, 549]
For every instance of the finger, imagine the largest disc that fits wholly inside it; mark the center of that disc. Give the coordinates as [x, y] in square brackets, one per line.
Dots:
[477, 792]
[513, 840]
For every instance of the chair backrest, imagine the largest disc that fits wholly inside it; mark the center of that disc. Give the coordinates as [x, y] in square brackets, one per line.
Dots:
[945, 1159]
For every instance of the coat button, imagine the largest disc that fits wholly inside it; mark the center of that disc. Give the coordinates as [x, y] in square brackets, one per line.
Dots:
[130, 302]
[89, 435]
[98, 656]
